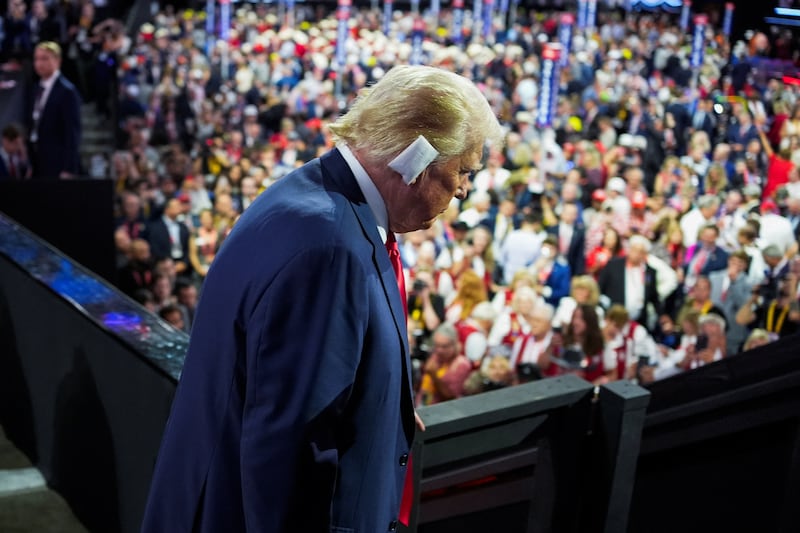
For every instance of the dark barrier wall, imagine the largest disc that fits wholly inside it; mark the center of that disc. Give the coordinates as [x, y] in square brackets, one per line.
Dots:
[82, 389]
[75, 216]
[720, 449]
[548, 456]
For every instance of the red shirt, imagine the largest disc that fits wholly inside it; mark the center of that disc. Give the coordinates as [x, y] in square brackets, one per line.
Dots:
[777, 174]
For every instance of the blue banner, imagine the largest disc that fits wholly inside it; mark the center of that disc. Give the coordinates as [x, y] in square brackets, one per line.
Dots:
[548, 89]
[224, 19]
[591, 14]
[457, 32]
[387, 16]
[685, 12]
[582, 14]
[727, 22]
[210, 33]
[699, 40]
[436, 7]
[566, 24]
[343, 16]
[488, 11]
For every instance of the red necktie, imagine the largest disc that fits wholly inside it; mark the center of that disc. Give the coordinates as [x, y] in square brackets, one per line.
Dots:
[408, 486]
[12, 167]
[397, 266]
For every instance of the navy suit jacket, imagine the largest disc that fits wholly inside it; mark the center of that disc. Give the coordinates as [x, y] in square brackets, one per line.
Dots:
[294, 411]
[157, 234]
[611, 281]
[59, 133]
[576, 253]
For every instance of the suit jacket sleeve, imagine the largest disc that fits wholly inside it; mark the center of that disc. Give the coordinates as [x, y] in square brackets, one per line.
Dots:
[301, 370]
[72, 131]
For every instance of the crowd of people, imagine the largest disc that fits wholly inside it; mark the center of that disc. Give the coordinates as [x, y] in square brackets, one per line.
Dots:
[651, 230]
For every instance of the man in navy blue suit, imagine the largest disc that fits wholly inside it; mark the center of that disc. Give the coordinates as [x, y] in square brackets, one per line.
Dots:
[54, 119]
[294, 412]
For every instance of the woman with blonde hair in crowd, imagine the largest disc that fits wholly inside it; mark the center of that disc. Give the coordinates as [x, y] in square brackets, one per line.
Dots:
[470, 292]
[204, 243]
[503, 299]
[583, 291]
[716, 180]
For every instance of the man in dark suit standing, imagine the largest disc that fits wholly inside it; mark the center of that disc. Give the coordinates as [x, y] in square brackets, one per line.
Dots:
[631, 282]
[55, 118]
[571, 237]
[295, 411]
[168, 237]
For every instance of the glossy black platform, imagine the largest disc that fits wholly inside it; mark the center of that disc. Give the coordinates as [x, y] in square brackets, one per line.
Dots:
[86, 380]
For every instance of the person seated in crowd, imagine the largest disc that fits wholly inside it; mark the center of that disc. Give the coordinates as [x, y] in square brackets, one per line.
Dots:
[522, 246]
[632, 283]
[583, 291]
[168, 237]
[504, 296]
[730, 290]
[497, 374]
[775, 310]
[570, 238]
[473, 333]
[758, 337]
[699, 299]
[514, 322]
[204, 243]
[746, 237]
[425, 313]
[710, 344]
[186, 298]
[704, 256]
[671, 356]
[173, 316]
[703, 215]
[532, 352]
[446, 370]
[470, 291]
[610, 247]
[583, 344]
[14, 164]
[626, 344]
[552, 272]
[138, 273]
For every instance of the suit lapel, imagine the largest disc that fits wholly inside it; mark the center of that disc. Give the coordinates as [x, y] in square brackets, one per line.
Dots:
[336, 169]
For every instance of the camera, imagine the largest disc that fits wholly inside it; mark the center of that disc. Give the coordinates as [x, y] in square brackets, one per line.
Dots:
[489, 385]
[419, 285]
[528, 372]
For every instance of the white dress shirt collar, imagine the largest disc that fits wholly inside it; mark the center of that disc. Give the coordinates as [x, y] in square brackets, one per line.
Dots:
[368, 188]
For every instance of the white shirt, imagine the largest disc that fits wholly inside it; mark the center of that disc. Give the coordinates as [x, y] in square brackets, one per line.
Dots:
[532, 349]
[634, 289]
[642, 345]
[777, 230]
[520, 250]
[47, 84]
[690, 225]
[174, 231]
[368, 188]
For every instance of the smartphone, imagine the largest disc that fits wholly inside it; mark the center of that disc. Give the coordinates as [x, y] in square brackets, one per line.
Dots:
[702, 342]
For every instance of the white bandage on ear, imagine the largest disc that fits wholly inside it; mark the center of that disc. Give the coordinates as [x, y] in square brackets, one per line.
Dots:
[414, 159]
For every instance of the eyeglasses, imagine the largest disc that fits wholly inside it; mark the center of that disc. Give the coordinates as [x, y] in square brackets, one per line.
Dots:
[443, 346]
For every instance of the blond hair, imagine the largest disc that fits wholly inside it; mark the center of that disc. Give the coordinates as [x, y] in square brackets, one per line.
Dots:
[410, 101]
[51, 47]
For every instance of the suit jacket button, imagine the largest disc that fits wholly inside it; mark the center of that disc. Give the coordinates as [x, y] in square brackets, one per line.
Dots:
[393, 525]
[404, 459]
